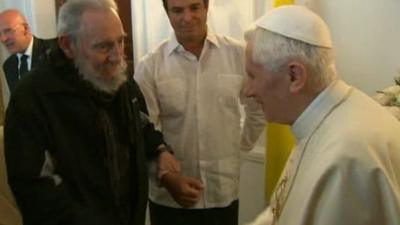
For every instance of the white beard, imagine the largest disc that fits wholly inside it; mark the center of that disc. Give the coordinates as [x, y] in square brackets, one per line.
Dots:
[108, 85]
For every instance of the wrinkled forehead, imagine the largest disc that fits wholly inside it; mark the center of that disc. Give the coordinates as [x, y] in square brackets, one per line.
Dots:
[101, 24]
[97, 17]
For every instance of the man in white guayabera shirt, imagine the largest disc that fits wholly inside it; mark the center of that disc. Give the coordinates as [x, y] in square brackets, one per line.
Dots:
[193, 86]
[345, 168]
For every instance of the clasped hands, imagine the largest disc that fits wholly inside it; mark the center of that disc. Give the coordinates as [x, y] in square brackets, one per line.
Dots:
[185, 190]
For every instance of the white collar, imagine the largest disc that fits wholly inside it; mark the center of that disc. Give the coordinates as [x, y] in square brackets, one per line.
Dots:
[28, 51]
[319, 108]
[174, 45]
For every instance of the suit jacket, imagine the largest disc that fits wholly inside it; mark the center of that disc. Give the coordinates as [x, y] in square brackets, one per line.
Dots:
[10, 66]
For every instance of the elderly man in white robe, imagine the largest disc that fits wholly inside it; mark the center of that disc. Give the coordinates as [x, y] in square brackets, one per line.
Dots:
[345, 168]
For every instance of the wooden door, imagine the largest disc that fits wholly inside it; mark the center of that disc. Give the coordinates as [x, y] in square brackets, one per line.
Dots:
[124, 7]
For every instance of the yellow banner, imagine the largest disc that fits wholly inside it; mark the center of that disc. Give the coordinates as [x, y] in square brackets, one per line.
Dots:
[280, 142]
[282, 2]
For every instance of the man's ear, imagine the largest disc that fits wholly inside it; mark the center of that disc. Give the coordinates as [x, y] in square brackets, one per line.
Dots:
[298, 76]
[66, 45]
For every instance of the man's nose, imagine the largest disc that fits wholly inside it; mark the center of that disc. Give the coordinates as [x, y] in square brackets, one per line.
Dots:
[187, 15]
[117, 52]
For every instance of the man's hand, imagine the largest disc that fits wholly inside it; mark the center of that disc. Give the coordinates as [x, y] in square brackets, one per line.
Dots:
[167, 163]
[185, 190]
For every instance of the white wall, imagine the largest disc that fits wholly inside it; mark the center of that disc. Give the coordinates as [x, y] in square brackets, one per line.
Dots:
[366, 35]
[43, 18]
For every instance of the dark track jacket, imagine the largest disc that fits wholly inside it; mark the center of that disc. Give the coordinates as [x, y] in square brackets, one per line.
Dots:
[55, 153]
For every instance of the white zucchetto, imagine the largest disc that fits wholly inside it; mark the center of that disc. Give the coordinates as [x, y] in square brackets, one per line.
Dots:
[297, 22]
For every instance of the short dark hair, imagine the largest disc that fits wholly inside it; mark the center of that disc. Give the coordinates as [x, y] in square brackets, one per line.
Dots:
[165, 3]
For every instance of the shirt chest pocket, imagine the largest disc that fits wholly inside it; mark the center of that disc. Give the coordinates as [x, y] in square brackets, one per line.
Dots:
[171, 94]
[229, 88]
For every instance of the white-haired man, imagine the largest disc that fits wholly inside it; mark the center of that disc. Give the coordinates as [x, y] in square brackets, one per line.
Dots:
[77, 138]
[345, 169]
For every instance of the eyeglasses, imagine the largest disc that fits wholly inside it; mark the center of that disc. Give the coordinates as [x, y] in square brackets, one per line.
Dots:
[9, 31]
[105, 47]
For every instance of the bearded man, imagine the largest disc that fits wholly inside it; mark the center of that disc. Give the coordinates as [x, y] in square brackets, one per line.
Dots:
[77, 138]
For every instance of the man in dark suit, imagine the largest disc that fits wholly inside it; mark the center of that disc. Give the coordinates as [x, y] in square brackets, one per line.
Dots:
[25, 49]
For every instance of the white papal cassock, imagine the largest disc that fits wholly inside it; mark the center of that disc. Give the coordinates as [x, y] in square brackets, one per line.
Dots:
[345, 169]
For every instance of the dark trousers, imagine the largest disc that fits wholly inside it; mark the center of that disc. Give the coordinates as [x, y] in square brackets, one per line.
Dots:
[162, 215]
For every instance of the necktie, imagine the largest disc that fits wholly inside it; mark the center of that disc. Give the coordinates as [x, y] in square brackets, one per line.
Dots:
[23, 65]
